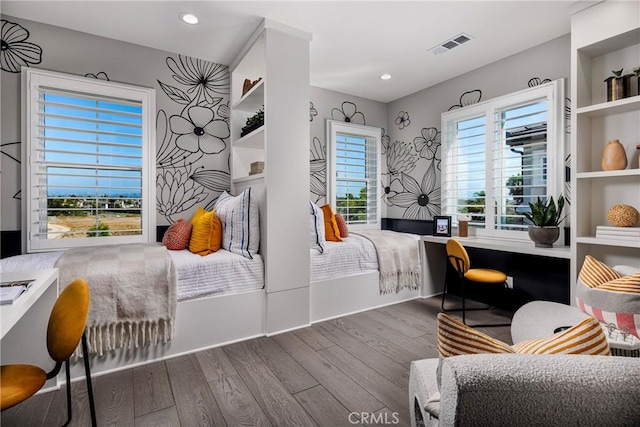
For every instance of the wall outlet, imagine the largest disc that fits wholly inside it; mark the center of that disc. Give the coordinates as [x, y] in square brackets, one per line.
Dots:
[509, 282]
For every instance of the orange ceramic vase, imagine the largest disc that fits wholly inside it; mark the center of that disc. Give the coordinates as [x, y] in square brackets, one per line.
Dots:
[614, 157]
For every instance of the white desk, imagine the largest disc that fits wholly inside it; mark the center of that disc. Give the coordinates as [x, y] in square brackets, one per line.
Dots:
[23, 327]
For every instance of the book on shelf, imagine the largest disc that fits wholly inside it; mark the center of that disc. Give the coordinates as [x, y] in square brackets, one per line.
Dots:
[612, 232]
[11, 291]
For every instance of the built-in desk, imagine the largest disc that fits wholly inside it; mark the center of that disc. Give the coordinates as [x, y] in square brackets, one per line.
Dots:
[435, 266]
[23, 324]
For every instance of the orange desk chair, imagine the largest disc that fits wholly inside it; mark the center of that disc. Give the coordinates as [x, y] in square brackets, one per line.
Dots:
[66, 329]
[459, 258]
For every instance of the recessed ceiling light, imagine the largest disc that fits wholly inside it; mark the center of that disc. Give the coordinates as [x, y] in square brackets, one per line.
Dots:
[385, 76]
[189, 18]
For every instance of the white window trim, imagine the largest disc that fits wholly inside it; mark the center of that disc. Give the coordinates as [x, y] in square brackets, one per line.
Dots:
[333, 129]
[31, 79]
[555, 94]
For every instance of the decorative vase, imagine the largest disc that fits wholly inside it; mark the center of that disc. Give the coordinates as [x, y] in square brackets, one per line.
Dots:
[544, 237]
[614, 157]
[618, 87]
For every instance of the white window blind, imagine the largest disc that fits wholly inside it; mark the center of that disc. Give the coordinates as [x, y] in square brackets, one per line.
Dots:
[354, 173]
[89, 162]
[500, 155]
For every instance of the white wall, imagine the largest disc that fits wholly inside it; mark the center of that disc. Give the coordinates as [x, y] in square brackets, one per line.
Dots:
[414, 146]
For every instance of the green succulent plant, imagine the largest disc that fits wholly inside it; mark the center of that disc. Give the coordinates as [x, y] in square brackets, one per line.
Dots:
[545, 213]
[636, 72]
[618, 73]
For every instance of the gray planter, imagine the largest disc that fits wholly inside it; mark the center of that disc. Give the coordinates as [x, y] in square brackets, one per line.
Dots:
[544, 237]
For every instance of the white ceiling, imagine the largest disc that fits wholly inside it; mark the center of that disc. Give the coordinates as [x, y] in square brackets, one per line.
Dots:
[353, 43]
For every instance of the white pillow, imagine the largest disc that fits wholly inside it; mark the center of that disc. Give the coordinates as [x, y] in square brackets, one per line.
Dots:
[316, 221]
[240, 223]
[626, 270]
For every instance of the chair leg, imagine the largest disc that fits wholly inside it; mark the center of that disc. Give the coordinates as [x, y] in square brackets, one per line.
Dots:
[68, 376]
[87, 373]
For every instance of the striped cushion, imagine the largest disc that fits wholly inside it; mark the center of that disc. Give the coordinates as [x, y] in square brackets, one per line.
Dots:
[610, 297]
[455, 339]
[240, 223]
[316, 220]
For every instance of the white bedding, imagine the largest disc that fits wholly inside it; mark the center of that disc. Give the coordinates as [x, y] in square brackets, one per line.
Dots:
[354, 255]
[219, 273]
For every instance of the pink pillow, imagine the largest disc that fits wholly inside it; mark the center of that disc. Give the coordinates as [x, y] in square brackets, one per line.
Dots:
[342, 226]
[177, 236]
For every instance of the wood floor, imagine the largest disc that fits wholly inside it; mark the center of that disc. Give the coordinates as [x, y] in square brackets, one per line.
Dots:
[312, 376]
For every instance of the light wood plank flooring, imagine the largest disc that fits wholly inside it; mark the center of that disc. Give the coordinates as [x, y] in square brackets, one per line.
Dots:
[314, 376]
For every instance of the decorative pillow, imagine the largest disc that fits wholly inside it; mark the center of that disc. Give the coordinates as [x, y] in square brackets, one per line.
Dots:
[610, 297]
[240, 223]
[331, 231]
[316, 219]
[206, 236]
[177, 236]
[342, 226]
[455, 338]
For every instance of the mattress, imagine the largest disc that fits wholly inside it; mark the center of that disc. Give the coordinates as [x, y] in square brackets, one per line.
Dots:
[219, 273]
[354, 255]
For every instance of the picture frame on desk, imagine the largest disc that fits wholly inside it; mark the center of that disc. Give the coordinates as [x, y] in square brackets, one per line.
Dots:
[442, 226]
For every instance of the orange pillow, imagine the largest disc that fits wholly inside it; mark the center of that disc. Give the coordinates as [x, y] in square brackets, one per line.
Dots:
[342, 226]
[206, 236]
[177, 236]
[331, 231]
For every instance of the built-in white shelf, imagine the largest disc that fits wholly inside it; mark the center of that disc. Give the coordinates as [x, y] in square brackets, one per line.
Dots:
[254, 139]
[253, 100]
[608, 174]
[592, 240]
[247, 178]
[611, 108]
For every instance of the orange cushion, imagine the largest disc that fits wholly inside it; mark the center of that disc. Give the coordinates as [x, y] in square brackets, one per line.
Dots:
[331, 230]
[177, 236]
[342, 225]
[206, 235]
[18, 383]
[485, 275]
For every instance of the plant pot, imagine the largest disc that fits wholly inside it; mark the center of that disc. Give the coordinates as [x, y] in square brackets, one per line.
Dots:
[544, 237]
[618, 87]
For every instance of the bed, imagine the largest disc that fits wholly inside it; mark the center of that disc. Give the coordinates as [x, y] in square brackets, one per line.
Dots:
[345, 279]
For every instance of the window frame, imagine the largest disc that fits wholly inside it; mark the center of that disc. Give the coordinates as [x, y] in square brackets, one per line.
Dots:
[554, 92]
[32, 79]
[370, 132]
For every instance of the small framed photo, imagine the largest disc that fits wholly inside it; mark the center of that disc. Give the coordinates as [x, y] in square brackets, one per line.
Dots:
[442, 226]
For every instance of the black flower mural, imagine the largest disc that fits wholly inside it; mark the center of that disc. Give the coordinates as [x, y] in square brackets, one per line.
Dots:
[468, 98]
[15, 51]
[536, 81]
[176, 192]
[12, 151]
[200, 131]
[422, 201]
[400, 158]
[402, 121]
[385, 141]
[99, 76]
[428, 145]
[348, 113]
[205, 80]
[318, 168]
[567, 179]
[390, 188]
[312, 111]
[567, 115]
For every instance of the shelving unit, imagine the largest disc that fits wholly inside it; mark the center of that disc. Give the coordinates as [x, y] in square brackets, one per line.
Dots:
[604, 37]
[279, 55]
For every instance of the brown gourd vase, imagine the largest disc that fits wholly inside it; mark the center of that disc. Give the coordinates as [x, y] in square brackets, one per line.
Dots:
[614, 157]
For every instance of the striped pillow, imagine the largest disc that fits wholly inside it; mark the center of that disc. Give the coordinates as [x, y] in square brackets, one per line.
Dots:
[240, 223]
[316, 220]
[610, 297]
[455, 339]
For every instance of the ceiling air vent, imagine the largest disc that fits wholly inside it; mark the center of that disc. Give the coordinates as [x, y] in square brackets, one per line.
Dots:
[453, 42]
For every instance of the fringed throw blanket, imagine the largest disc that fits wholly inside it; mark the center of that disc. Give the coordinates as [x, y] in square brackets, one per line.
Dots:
[398, 259]
[133, 293]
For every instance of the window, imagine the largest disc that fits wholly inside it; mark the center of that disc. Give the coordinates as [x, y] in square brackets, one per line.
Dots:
[500, 155]
[353, 173]
[90, 150]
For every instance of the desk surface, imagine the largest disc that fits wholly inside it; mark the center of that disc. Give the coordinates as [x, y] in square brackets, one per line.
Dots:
[11, 313]
[506, 245]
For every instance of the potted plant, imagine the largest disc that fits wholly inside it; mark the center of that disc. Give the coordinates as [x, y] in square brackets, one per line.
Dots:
[545, 217]
[618, 86]
[253, 123]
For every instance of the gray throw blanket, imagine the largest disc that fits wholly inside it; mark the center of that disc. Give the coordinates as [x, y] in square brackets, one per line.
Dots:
[133, 293]
[398, 259]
